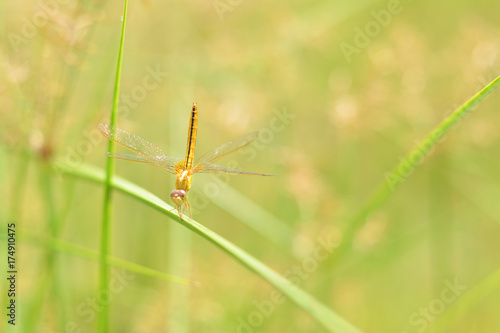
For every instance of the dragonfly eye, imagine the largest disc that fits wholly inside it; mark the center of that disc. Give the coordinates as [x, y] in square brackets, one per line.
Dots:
[178, 194]
[178, 197]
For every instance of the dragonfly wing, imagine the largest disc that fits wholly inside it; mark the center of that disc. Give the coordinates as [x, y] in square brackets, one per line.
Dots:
[168, 163]
[148, 152]
[129, 157]
[229, 147]
[206, 167]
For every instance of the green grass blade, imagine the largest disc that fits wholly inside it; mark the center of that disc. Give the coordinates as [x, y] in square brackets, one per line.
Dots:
[107, 213]
[255, 217]
[329, 319]
[49, 267]
[54, 226]
[466, 303]
[80, 251]
[406, 167]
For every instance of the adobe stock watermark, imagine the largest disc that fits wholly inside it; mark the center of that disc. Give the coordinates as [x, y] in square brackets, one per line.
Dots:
[277, 124]
[407, 164]
[87, 310]
[296, 274]
[223, 6]
[74, 156]
[363, 36]
[30, 26]
[425, 315]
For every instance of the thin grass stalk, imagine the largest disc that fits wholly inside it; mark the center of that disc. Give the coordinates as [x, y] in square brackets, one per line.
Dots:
[54, 225]
[82, 252]
[107, 213]
[51, 277]
[404, 169]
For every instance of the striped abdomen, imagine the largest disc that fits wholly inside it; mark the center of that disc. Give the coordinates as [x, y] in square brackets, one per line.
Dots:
[191, 141]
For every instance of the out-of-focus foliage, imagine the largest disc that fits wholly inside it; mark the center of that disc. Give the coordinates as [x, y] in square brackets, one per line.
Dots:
[342, 90]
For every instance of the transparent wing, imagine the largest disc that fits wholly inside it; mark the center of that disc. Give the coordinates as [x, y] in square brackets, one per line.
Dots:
[148, 152]
[167, 160]
[228, 148]
[129, 157]
[206, 167]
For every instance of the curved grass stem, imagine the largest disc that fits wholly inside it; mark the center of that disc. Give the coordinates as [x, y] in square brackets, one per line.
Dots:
[324, 315]
[405, 168]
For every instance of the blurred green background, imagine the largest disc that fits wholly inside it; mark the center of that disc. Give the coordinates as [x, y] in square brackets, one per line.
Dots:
[342, 90]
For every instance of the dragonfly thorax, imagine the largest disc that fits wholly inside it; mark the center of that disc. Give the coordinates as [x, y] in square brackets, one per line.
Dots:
[183, 180]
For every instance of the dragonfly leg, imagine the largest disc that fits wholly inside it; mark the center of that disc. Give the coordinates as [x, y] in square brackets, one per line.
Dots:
[179, 211]
[189, 205]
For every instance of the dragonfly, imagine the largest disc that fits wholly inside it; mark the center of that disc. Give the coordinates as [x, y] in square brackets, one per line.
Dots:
[182, 167]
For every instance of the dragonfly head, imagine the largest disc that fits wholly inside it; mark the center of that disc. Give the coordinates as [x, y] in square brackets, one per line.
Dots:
[179, 197]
